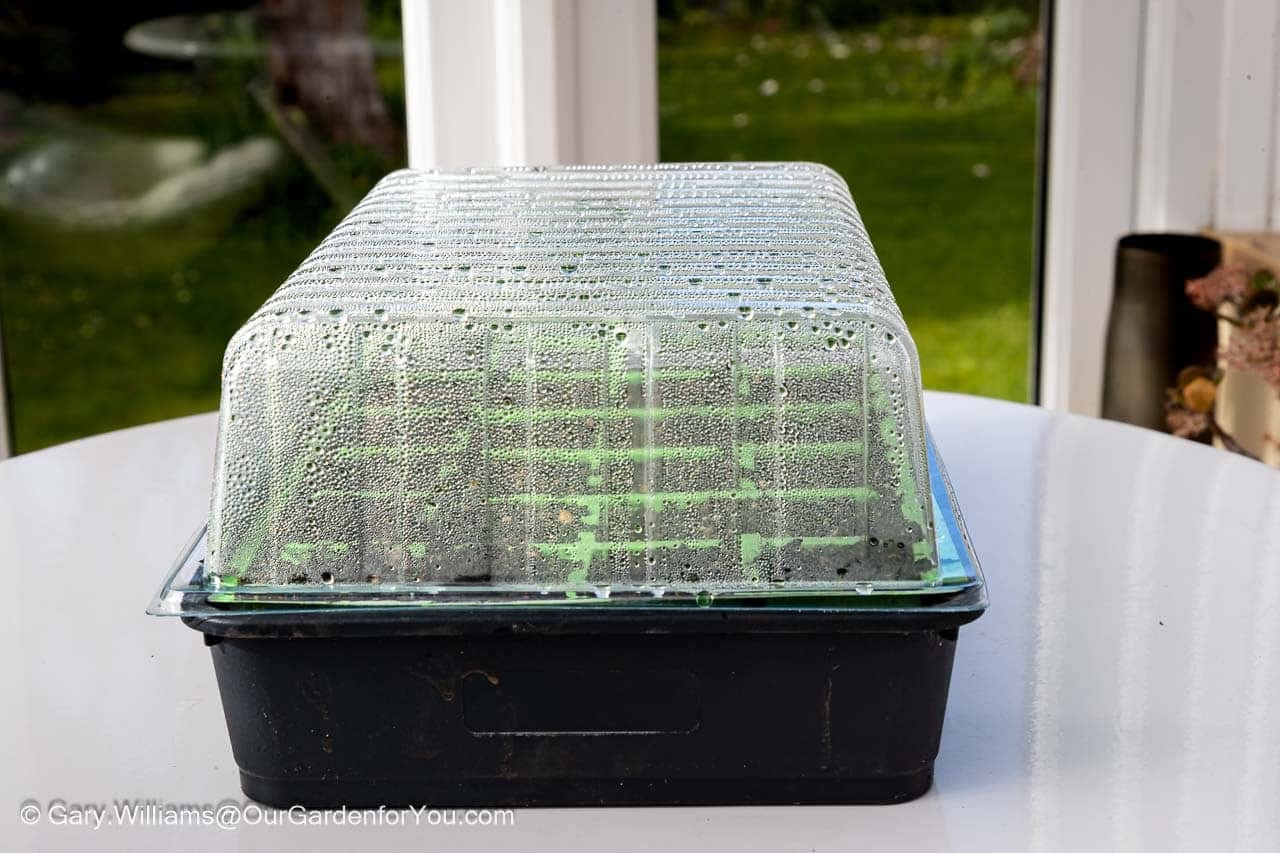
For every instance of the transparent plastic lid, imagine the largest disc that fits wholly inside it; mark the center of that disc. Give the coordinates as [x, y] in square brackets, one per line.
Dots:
[579, 382]
[190, 591]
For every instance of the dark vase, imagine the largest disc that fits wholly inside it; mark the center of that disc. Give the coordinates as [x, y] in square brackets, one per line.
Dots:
[1154, 330]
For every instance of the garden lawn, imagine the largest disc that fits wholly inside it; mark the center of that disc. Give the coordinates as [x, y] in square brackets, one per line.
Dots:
[937, 146]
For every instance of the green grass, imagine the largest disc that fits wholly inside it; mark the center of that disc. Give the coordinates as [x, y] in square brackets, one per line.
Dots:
[908, 129]
[109, 329]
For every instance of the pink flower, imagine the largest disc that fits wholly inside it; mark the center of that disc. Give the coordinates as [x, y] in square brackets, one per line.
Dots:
[1255, 347]
[1224, 284]
[1185, 423]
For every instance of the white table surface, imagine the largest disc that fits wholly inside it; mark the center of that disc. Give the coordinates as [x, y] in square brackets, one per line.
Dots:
[1123, 691]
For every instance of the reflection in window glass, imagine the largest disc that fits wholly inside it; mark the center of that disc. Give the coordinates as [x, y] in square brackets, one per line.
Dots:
[931, 118]
[163, 167]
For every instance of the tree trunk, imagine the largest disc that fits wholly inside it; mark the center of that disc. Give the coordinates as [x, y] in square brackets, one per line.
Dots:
[321, 61]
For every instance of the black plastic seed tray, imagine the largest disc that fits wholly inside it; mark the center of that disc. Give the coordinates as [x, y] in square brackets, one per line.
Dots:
[579, 706]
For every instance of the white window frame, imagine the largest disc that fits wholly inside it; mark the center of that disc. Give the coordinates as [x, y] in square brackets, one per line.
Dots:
[524, 82]
[1164, 116]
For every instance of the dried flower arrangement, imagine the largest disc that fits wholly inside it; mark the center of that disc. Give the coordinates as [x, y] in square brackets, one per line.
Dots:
[1250, 303]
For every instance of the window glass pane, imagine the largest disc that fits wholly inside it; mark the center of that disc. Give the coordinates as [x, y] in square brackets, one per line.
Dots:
[930, 117]
[163, 166]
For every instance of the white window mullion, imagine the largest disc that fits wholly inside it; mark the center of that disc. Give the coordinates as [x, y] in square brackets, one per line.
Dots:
[1093, 127]
[1246, 156]
[1178, 117]
[518, 82]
